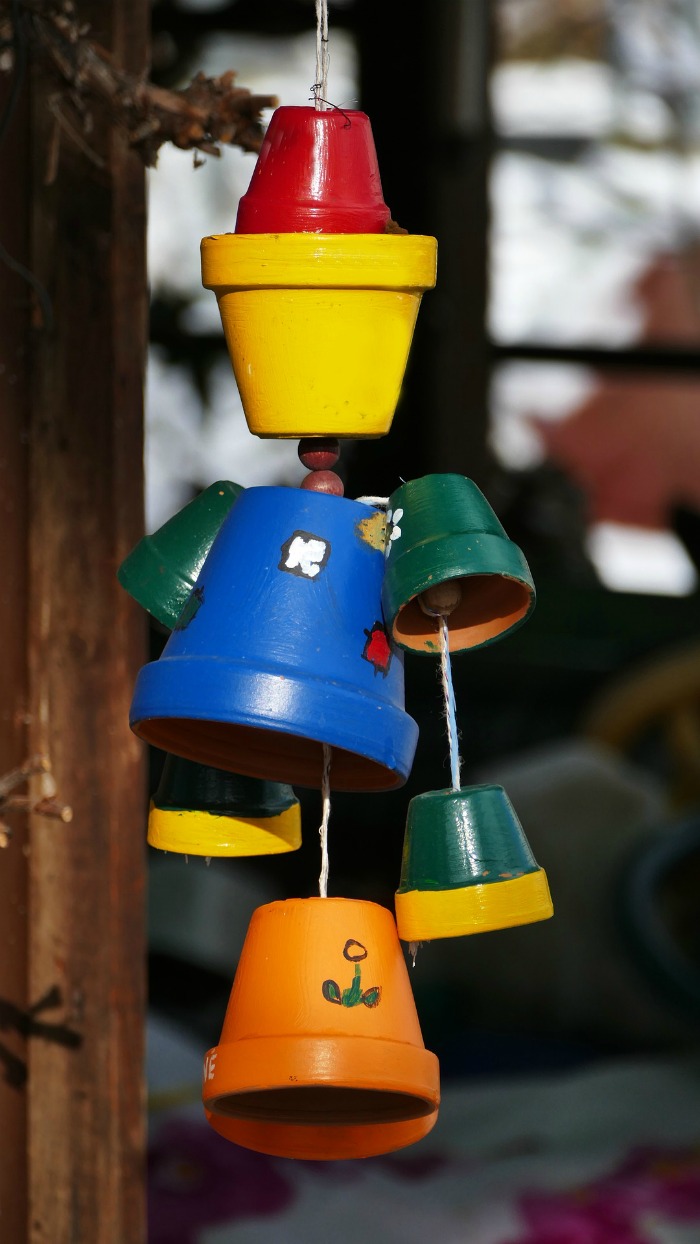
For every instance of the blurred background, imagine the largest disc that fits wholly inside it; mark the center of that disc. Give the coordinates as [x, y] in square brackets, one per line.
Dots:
[554, 152]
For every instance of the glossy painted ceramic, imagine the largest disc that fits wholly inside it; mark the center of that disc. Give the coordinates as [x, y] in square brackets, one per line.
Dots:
[317, 171]
[319, 326]
[321, 1031]
[197, 810]
[443, 530]
[162, 568]
[322, 1142]
[281, 648]
[467, 867]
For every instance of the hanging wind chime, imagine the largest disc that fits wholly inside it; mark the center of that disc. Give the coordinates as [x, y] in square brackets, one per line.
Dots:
[288, 611]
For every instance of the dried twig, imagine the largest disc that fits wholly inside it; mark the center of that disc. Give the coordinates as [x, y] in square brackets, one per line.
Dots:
[16, 777]
[47, 805]
[203, 116]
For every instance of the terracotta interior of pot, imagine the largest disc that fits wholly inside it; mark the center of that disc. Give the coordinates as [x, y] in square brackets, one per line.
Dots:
[267, 754]
[490, 605]
[319, 1104]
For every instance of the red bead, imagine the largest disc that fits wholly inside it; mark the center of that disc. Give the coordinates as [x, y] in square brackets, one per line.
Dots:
[319, 453]
[323, 481]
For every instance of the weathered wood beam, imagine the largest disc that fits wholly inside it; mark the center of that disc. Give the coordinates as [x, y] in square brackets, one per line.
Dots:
[72, 990]
[14, 403]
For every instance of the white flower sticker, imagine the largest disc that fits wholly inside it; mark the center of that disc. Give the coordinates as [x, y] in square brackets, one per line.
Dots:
[393, 519]
[304, 554]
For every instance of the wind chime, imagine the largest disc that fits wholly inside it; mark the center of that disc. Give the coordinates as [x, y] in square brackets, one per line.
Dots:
[289, 610]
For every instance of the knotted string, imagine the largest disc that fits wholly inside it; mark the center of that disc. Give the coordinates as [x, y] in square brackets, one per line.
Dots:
[320, 88]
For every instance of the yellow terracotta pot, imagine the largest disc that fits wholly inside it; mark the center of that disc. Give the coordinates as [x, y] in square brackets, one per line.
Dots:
[319, 326]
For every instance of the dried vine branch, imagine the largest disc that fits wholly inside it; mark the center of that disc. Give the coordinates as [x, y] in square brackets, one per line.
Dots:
[203, 116]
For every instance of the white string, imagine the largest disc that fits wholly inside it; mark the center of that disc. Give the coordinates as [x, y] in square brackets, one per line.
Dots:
[323, 829]
[322, 57]
[450, 707]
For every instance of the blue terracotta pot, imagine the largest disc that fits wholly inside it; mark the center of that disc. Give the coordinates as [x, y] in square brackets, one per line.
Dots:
[281, 648]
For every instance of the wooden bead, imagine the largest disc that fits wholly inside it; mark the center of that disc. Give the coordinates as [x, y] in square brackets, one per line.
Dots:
[324, 481]
[319, 453]
[442, 599]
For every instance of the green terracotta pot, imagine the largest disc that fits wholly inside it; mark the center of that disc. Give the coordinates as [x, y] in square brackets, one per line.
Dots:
[442, 530]
[162, 569]
[467, 866]
[199, 810]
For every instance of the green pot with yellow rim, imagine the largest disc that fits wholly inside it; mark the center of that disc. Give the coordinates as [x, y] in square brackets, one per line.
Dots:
[467, 867]
[199, 810]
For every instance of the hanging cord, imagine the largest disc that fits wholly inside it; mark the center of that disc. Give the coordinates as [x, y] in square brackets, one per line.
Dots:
[320, 88]
[438, 603]
[323, 829]
[449, 694]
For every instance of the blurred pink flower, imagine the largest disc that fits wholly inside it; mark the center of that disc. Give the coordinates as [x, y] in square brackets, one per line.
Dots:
[649, 1183]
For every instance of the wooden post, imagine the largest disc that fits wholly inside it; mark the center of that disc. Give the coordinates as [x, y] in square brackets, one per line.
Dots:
[81, 950]
[14, 404]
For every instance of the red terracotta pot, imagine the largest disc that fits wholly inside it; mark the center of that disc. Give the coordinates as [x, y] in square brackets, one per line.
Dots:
[317, 172]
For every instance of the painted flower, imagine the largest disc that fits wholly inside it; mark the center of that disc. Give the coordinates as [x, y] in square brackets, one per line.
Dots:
[393, 519]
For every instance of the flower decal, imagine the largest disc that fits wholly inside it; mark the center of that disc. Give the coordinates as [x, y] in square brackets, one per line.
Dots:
[393, 519]
[304, 554]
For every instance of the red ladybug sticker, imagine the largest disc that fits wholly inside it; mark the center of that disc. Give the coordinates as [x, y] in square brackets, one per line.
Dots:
[377, 649]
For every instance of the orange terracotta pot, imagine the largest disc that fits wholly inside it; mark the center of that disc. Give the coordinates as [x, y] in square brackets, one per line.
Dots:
[325, 1142]
[321, 1053]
